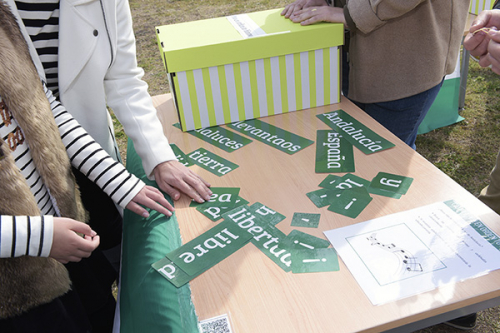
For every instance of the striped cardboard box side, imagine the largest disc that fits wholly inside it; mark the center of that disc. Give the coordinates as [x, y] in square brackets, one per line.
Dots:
[477, 6]
[257, 88]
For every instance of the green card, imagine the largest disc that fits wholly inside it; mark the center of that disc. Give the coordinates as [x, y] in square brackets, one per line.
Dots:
[215, 213]
[314, 261]
[221, 197]
[351, 202]
[267, 214]
[271, 135]
[211, 162]
[307, 220]
[210, 248]
[355, 132]
[180, 155]
[323, 197]
[219, 137]
[172, 272]
[333, 153]
[270, 242]
[391, 182]
[298, 240]
[349, 181]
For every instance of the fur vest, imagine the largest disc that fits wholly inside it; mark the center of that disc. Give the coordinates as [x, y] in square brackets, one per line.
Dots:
[26, 282]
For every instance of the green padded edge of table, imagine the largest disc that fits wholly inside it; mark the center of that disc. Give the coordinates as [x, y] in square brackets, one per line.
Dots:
[148, 302]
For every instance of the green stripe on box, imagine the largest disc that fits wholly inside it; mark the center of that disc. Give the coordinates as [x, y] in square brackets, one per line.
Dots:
[193, 98]
[253, 84]
[312, 78]
[223, 92]
[283, 85]
[209, 96]
[180, 107]
[269, 86]
[327, 78]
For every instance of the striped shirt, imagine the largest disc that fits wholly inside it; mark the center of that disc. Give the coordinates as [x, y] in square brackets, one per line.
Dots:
[41, 19]
[21, 235]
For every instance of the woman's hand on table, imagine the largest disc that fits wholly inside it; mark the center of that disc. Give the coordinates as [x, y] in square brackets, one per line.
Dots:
[152, 198]
[175, 178]
[311, 15]
[292, 8]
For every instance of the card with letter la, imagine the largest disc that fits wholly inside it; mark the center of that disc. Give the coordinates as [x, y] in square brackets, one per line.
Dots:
[210, 248]
[215, 213]
[313, 261]
[221, 197]
[391, 182]
[351, 202]
[298, 240]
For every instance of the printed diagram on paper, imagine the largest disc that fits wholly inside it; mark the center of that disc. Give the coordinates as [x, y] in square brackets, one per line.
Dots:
[390, 259]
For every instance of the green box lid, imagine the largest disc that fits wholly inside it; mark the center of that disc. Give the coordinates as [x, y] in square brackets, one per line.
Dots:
[214, 42]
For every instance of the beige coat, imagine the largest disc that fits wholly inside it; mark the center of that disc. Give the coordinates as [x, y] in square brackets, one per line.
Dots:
[26, 282]
[401, 48]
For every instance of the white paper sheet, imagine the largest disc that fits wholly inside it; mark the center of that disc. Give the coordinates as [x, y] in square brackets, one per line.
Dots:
[407, 253]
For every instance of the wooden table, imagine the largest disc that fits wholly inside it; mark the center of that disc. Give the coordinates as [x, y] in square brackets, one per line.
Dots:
[259, 296]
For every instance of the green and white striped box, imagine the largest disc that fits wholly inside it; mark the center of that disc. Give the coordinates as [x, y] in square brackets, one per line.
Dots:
[248, 66]
[477, 6]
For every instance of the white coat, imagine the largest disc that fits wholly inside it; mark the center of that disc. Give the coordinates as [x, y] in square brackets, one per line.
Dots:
[98, 68]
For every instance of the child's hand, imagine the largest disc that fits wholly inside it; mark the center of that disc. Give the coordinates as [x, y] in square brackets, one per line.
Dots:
[68, 245]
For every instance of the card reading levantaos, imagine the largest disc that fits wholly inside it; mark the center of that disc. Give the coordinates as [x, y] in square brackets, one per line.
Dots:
[271, 135]
[313, 261]
[351, 202]
[355, 132]
[392, 183]
[307, 220]
[171, 272]
[209, 161]
[333, 153]
[221, 197]
[298, 240]
[210, 248]
[215, 213]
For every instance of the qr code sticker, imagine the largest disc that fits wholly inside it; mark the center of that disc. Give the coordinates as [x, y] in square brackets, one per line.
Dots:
[219, 324]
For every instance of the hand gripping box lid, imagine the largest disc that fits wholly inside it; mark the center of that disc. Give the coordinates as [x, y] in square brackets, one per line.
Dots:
[248, 66]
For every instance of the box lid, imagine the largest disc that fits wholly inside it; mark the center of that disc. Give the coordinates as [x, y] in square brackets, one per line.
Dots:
[217, 41]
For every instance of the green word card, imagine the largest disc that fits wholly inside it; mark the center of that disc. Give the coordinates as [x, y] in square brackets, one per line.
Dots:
[307, 220]
[211, 162]
[350, 180]
[210, 248]
[267, 214]
[355, 132]
[220, 137]
[391, 182]
[314, 261]
[270, 242]
[180, 155]
[333, 153]
[221, 197]
[172, 272]
[271, 135]
[215, 213]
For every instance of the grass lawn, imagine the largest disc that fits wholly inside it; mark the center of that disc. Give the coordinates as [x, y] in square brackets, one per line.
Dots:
[465, 151]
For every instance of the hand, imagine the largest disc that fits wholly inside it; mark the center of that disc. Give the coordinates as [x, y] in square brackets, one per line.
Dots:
[175, 178]
[313, 15]
[152, 198]
[301, 4]
[67, 245]
[492, 58]
[477, 40]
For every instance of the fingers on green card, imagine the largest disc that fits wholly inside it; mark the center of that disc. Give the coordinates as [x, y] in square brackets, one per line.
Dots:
[314, 261]
[221, 197]
[307, 220]
[391, 182]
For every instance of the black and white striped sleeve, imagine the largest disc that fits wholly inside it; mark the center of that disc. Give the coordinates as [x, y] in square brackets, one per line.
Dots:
[89, 158]
[26, 235]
